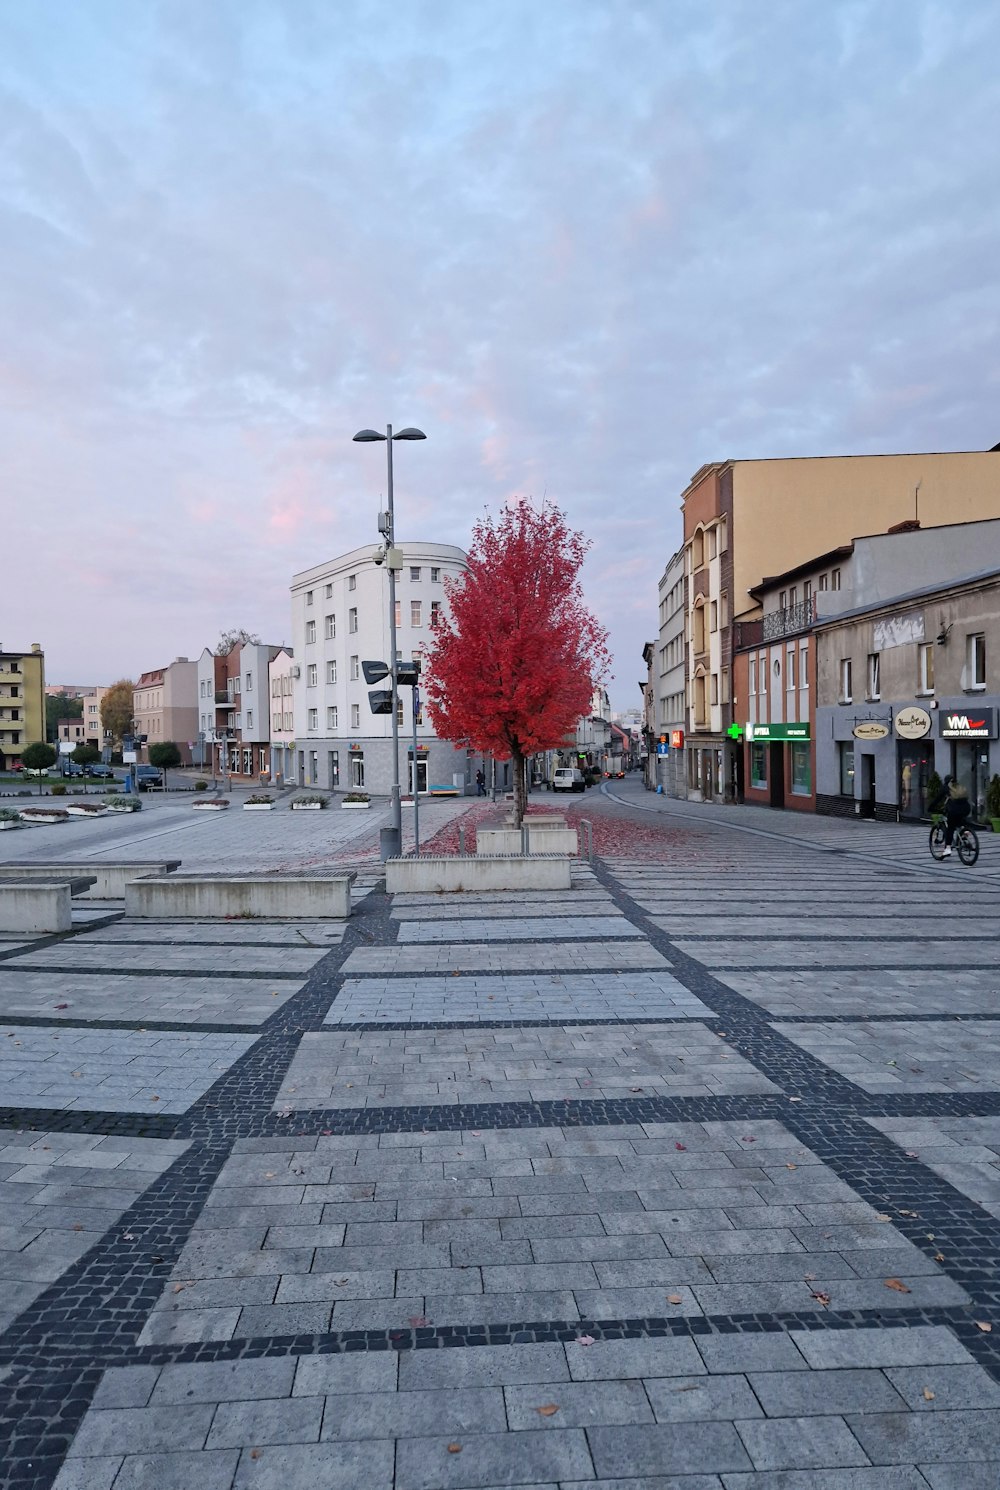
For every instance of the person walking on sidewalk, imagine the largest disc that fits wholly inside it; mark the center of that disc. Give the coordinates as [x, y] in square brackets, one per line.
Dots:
[480, 784]
[953, 801]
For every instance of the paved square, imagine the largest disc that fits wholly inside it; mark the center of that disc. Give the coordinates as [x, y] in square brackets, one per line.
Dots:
[842, 992]
[963, 1151]
[509, 958]
[474, 1000]
[535, 928]
[67, 998]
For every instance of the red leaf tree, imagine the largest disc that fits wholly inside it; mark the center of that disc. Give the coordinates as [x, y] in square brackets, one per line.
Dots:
[513, 667]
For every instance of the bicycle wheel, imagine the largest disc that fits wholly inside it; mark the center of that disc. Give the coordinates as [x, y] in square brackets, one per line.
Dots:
[968, 846]
[937, 844]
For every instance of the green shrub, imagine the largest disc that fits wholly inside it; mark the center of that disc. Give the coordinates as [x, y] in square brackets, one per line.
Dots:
[201, 786]
[993, 797]
[57, 791]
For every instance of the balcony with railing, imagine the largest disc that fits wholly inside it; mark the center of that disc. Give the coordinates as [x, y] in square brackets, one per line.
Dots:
[789, 620]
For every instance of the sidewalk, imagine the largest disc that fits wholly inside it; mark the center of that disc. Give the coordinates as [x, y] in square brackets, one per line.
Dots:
[684, 1179]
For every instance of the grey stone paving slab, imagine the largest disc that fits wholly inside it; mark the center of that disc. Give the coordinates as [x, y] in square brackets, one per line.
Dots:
[484, 997]
[59, 1193]
[359, 1069]
[67, 998]
[782, 953]
[899, 1055]
[576, 928]
[503, 960]
[112, 1070]
[77, 954]
[669, 1448]
[902, 992]
[218, 933]
[920, 1345]
[929, 1438]
[541, 908]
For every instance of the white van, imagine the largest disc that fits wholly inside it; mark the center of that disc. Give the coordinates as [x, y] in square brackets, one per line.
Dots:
[567, 779]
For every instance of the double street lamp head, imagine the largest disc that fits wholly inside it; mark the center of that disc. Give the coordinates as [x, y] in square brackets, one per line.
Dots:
[367, 435]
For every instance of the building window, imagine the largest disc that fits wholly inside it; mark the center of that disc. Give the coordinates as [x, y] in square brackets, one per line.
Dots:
[275, 687]
[801, 768]
[847, 768]
[783, 600]
[793, 596]
[762, 674]
[846, 686]
[352, 581]
[313, 718]
[288, 721]
[725, 685]
[807, 591]
[331, 717]
[331, 672]
[330, 628]
[415, 613]
[248, 686]
[352, 619]
[758, 765]
[874, 691]
[310, 631]
[715, 688]
[435, 612]
[399, 709]
[975, 660]
[399, 612]
[414, 573]
[355, 672]
[835, 579]
[334, 756]
[312, 675]
[712, 542]
[328, 592]
[309, 597]
[698, 550]
[824, 580]
[435, 576]
[355, 716]
[714, 615]
[804, 665]
[276, 722]
[249, 719]
[790, 669]
[752, 687]
[925, 668]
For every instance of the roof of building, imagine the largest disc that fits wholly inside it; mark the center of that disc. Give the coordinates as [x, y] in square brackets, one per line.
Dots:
[907, 597]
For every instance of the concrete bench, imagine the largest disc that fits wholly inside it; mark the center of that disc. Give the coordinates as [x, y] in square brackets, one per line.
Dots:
[109, 876]
[447, 875]
[271, 897]
[39, 905]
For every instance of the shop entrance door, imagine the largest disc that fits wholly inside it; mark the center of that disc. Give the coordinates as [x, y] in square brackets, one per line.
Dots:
[915, 766]
[421, 776]
[972, 771]
[867, 786]
[776, 774]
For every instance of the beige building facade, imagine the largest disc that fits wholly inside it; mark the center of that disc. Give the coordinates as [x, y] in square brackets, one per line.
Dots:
[22, 702]
[165, 706]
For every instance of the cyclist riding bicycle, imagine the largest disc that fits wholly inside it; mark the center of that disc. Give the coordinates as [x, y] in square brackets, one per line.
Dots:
[953, 801]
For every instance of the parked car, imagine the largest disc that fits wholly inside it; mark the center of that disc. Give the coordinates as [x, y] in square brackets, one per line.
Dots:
[104, 772]
[567, 779]
[147, 776]
[70, 768]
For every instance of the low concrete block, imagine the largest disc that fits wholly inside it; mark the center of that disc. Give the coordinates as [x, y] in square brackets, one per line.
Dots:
[446, 875]
[278, 897]
[39, 905]
[498, 841]
[109, 877]
[541, 839]
[551, 840]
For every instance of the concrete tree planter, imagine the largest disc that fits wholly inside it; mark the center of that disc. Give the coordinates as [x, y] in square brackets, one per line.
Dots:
[43, 816]
[308, 804]
[257, 806]
[9, 819]
[211, 804]
[123, 804]
[355, 806]
[81, 809]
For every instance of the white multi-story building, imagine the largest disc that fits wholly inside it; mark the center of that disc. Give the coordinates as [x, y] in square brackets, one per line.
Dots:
[282, 689]
[671, 720]
[340, 619]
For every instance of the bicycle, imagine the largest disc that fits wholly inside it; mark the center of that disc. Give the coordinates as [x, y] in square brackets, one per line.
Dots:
[965, 841]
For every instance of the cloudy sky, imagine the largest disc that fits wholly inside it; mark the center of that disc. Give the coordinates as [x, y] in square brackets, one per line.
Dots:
[586, 245]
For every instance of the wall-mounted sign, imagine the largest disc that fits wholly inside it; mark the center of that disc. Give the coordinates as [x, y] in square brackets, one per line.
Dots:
[677, 739]
[912, 724]
[663, 749]
[761, 732]
[354, 747]
[870, 729]
[972, 724]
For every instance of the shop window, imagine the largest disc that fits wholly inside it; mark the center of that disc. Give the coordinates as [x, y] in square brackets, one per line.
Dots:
[758, 765]
[801, 768]
[847, 768]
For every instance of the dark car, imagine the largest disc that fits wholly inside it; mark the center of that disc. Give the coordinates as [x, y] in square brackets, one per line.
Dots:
[147, 776]
[105, 772]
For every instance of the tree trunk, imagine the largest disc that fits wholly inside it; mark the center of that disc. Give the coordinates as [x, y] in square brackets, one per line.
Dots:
[520, 788]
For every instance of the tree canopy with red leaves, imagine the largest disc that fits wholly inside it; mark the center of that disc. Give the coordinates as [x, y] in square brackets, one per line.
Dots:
[513, 666]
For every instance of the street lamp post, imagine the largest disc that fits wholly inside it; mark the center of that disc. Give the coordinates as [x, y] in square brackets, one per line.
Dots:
[394, 846]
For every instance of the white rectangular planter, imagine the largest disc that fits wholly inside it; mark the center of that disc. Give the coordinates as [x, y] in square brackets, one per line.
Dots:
[210, 806]
[124, 809]
[445, 875]
[285, 897]
[257, 806]
[307, 806]
[355, 806]
[38, 820]
[6, 824]
[87, 811]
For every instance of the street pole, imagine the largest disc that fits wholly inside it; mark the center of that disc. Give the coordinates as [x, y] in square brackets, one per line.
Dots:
[395, 808]
[416, 776]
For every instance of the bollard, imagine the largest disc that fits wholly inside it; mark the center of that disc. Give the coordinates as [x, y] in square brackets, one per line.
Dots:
[586, 823]
[461, 842]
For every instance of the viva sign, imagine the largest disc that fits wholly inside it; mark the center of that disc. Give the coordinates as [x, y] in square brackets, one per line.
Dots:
[980, 725]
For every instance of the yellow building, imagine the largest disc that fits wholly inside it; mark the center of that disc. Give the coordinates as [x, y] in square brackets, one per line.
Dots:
[22, 702]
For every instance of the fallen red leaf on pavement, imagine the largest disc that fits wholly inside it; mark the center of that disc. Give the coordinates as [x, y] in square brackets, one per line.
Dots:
[548, 1410]
[897, 1285]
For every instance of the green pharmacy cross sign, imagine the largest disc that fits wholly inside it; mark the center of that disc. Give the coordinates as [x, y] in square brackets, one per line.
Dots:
[735, 731]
